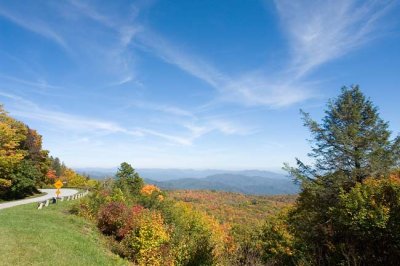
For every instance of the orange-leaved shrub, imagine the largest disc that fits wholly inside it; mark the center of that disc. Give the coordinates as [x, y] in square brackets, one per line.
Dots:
[149, 189]
[151, 196]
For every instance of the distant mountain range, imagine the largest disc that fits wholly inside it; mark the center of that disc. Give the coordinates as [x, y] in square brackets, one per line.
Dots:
[245, 181]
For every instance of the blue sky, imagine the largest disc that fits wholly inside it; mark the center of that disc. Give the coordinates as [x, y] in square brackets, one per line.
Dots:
[191, 84]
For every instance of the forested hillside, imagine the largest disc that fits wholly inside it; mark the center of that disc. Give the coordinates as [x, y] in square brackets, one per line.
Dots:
[237, 209]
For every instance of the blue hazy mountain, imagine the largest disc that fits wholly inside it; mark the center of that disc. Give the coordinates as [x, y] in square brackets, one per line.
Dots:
[243, 181]
[257, 185]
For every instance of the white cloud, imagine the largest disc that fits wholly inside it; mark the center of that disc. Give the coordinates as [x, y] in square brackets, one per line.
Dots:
[122, 81]
[127, 34]
[171, 138]
[319, 31]
[229, 128]
[251, 88]
[35, 26]
[168, 109]
[41, 84]
[175, 55]
[23, 108]
[91, 13]
[322, 30]
[106, 57]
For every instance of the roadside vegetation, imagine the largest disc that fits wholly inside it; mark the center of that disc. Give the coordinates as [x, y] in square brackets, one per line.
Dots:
[152, 227]
[147, 227]
[25, 166]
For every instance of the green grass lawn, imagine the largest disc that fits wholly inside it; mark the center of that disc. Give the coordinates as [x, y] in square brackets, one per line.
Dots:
[51, 236]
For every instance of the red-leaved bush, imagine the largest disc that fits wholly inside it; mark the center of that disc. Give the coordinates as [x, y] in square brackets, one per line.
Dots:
[112, 218]
[137, 210]
[132, 221]
[117, 219]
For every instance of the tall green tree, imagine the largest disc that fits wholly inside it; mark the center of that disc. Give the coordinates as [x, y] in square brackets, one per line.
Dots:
[351, 140]
[351, 144]
[128, 180]
[24, 179]
[56, 166]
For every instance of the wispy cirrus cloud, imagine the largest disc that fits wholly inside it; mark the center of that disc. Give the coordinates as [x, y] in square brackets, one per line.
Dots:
[104, 56]
[319, 31]
[175, 55]
[322, 30]
[250, 88]
[35, 26]
[158, 107]
[92, 13]
[195, 120]
[23, 108]
[42, 84]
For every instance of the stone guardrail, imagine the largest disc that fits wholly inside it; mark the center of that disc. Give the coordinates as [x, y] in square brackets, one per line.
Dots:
[54, 200]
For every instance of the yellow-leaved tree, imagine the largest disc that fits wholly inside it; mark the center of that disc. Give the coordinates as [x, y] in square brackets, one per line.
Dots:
[73, 179]
[12, 132]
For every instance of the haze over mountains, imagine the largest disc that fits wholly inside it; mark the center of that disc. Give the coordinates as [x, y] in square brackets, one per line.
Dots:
[256, 182]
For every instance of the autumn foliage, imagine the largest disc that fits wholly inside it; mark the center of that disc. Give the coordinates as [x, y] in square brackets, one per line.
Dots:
[25, 166]
[147, 190]
[51, 175]
[22, 160]
[150, 228]
[113, 219]
[147, 243]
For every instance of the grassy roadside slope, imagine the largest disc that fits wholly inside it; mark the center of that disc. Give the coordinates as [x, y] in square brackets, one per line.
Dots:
[50, 236]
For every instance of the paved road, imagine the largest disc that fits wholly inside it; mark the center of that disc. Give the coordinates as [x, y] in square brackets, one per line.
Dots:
[50, 194]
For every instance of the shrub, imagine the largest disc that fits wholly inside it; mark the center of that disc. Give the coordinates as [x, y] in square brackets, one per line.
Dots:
[147, 244]
[113, 218]
[23, 180]
[247, 249]
[147, 190]
[277, 240]
[151, 196]
[132, 222]
[95, 201]
[118, 195]
[83, 208]
[197, 238]
[368, 222]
